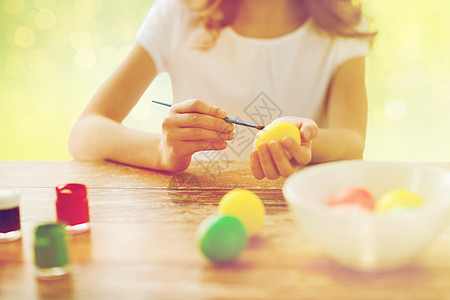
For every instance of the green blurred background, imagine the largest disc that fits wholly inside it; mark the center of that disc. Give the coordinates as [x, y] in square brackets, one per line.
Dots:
[54, 54]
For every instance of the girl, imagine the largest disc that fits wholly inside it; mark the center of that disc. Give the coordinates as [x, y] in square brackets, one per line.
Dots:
[260, 60]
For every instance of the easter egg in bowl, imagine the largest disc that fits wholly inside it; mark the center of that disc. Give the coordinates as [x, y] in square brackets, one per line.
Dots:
[362, 239]
[276, 131]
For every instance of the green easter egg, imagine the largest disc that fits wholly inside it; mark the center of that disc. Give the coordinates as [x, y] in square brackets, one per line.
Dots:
[221, 238]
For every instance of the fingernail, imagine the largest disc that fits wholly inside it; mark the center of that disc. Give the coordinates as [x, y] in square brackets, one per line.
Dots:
[222, 145]
[223, 113]
[229, 128]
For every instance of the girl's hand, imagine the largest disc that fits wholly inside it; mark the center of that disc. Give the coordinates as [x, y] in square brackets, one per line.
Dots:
[283, 158]
[192, 126]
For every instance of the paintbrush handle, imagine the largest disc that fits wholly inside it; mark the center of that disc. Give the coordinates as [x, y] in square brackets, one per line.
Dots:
[238, 122]
[162, 103]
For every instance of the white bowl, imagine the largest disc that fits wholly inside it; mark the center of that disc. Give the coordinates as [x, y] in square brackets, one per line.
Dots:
[369, 241]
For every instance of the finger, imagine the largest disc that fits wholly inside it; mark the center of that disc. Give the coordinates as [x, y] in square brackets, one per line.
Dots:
[283, 164]
[199, 121]
[198, 134]
[255, 165]
[198, 106]
[183, 148]
[301, 154]
[308, 130]
[287, 153]
[267, 163]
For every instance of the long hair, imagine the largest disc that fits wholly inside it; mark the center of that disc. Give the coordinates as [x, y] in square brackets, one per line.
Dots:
[335, 17]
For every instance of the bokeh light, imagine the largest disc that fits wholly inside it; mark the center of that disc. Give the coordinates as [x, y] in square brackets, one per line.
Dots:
[45, 19]
[55, 54]
[395, 110]
[14, 7]
[24, 37]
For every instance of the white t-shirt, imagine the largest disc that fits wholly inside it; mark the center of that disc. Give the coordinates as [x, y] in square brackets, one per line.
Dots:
[255, 80]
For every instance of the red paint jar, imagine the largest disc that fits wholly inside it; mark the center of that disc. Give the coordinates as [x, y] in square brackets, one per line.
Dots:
[72, 207]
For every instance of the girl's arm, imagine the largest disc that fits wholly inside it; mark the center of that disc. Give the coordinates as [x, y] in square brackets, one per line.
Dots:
[191, 125]
[347, 115]
[344, 138]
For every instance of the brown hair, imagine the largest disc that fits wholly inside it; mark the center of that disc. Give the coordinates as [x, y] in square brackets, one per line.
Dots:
[336, 17]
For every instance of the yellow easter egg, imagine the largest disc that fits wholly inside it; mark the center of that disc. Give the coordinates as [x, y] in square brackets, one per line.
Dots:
[398, 198]
[246, 207]
[277, 131]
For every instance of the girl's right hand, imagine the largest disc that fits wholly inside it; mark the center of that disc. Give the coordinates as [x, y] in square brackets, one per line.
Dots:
[192, 126]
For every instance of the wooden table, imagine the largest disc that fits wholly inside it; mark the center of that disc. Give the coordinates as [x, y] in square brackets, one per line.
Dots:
[142, 242]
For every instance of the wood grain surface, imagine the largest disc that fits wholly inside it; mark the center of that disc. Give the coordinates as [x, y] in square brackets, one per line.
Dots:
[142, 242]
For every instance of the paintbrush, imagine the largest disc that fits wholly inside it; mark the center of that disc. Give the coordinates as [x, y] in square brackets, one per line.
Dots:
[226, 119]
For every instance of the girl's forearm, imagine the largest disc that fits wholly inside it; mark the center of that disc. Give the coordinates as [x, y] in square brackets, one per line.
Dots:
[97, 137]
[337, 144]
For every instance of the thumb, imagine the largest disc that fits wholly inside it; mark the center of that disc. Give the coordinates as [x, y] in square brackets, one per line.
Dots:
[308, 129]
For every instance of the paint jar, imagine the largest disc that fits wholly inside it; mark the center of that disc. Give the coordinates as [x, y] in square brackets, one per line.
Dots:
[9, 215]
[50, 251]
[72, 207]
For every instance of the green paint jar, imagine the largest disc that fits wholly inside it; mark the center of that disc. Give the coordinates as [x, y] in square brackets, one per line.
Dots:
[50, 251]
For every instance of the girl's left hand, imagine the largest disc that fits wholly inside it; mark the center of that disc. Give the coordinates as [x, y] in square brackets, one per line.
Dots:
[283, 158]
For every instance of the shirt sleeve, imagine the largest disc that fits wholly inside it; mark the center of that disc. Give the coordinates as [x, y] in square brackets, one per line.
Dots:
[159, 31]
[353, 47]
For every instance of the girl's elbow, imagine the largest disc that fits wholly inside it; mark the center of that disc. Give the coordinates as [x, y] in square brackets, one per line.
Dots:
[360, 145]
[77, 142]
[356, 145]
[73, 144]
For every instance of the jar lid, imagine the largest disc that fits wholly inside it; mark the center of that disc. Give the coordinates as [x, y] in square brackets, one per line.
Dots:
[72, 205]
[9, 198]
[51, 230]
[50, 245]
[71, 192]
